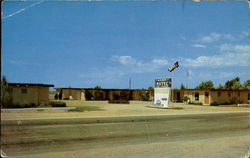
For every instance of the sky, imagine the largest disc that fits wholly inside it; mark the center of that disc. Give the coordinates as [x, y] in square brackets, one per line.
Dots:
[82, 44]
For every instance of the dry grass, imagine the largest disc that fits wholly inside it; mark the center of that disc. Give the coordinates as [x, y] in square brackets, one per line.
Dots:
[104, 109]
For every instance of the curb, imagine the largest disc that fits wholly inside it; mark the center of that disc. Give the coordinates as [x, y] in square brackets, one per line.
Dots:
[31, 109]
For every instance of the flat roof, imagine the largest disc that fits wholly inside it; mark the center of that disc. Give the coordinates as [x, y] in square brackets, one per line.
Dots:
[102, 89]
[215, 89]
[150, 90]
[31, 84]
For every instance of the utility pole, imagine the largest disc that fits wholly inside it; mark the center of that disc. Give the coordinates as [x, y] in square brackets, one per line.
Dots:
[129, 92]
[129, 83]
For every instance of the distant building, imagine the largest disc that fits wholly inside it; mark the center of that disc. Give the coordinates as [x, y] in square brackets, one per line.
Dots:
[208, 97]
[29, 93]
[107, 94]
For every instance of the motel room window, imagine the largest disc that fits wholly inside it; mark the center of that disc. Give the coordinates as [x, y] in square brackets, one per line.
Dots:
[196, 96]
[229, 94]
[24, 91]
[219, 94]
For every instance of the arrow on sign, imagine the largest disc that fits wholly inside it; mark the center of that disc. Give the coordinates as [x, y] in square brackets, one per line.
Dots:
[173, 67]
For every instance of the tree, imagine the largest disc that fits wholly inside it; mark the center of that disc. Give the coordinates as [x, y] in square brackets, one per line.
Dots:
[56, 96]
[206, 85]
[144, 96]
[99, 95]
[233, 84]
[150, 88]
[236, 85]
[98, 87]
[246, 84]
[88, 95]
[220, 86]
[182, 86]
[60, 95]
[5, 93]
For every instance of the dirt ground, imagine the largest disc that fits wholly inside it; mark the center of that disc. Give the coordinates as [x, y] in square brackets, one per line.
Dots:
[104, 109]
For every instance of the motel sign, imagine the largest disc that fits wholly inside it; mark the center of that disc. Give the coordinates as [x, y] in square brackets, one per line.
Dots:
[163, 82]
[162, 92]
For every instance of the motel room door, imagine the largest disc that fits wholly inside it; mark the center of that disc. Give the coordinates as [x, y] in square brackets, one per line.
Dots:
[178, 97]
[78, 95]
[206, 97]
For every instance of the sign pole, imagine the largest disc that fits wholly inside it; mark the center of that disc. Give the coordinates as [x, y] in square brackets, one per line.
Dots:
[172, 92]
[174, 66]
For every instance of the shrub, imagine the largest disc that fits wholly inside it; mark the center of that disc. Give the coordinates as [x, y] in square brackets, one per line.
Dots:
[56, 96]
[123, 98]
[185, 98]
[57, 104]
[116, 96]
[88, 95]
[144, 96]
[22, 105]
[196, 103]
[215, 104]
[236, 100]
[99, 95]
[124, 95]
[225, 103]
[19, 105]
[31, 105]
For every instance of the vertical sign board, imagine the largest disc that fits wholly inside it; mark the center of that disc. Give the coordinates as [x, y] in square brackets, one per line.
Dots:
[162, 92]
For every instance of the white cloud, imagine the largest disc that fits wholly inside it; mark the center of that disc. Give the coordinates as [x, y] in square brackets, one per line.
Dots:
[225, 47]
[199, 46]
[213, 37]
[210, 38]
[240, 49]
[127, 65]
[229, 37]
[123, 59]
[160, 62]
[215, 75]
[231, 55]
[135, 66]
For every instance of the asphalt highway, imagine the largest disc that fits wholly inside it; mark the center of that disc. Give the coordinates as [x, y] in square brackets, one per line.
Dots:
[206, 135]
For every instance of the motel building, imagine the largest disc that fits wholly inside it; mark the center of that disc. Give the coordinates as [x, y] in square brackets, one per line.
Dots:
[29, 93]
[210, 97]
[195, 96]
[79, 93]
